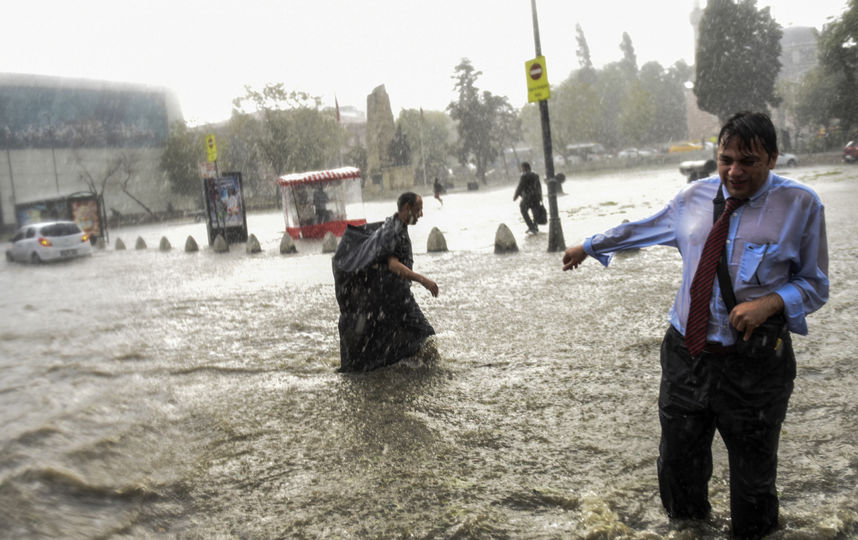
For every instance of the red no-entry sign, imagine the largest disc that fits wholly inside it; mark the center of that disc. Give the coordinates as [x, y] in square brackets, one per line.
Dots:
[537, 80]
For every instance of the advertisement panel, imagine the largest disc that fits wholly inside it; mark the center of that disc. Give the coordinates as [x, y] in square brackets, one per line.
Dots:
[86, 209]
[225, 208]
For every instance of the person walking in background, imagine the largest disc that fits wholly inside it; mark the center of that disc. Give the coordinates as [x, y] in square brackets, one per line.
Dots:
[530, 190]
[380, 321]
[727, 359]
[438, 189]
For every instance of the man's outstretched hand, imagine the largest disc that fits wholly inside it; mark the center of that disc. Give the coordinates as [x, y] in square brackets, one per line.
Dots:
[573, 256]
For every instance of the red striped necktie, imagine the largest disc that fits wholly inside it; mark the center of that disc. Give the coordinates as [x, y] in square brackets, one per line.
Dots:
[701, 285]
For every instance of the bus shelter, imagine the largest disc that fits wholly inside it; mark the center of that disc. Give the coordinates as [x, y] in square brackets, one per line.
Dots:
[317, 202]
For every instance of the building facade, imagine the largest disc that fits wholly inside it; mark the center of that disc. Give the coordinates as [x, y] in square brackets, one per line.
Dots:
[62, 136]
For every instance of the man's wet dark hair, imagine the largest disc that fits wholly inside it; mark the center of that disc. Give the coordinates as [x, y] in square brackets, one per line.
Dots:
[409, 197]
[525, 165]
[748, 127]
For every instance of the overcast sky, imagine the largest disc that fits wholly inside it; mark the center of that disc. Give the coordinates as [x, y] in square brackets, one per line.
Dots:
[207, 51]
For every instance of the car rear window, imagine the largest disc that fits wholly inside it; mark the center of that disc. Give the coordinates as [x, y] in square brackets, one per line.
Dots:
[61, 229]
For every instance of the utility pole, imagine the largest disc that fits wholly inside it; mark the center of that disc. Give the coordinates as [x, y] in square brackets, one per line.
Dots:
[555, 231]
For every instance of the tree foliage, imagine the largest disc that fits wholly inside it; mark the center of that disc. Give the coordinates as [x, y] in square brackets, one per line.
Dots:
[294, 134]
[399, 149]
[737, 58]
[241, 152]
[619, 105]
[484, 122]
[430, 133]
[630, 59]
[838, 56]
[182, 150]
[583, 49]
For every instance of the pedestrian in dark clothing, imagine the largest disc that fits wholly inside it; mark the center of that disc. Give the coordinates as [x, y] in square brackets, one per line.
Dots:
[727, 362]
[438, 188]
[380, 321]
[530, 190]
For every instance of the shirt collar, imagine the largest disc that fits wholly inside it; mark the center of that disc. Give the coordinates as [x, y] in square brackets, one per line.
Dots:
[767, 185]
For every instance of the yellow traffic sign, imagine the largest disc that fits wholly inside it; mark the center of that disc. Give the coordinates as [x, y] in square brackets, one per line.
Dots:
[211, 148]
[537, 80]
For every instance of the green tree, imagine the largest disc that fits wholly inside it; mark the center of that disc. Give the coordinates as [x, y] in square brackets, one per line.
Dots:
[182, 150]
[667, 97]
[481, 120]
[241, 152]
[586, 73]
[611, 88]
[294, 135]
[357, 157]
[630, 59]
[430, 133]
[399, 149]
[637, 115]
[583, 49]
[838, 55]
[816, 103]
[575, 110]
[737, 58]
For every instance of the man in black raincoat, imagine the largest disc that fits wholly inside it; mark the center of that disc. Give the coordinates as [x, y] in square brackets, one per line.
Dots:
[530, 191]
[727, 362]
[380, 322]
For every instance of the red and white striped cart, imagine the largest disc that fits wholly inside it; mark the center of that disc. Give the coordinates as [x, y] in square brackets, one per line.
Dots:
[316, 202]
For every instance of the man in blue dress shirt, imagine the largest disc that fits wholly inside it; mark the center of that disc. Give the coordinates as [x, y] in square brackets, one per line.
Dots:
[777, 257]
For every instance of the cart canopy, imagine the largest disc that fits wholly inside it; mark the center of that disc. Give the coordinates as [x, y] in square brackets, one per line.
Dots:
[317, 202]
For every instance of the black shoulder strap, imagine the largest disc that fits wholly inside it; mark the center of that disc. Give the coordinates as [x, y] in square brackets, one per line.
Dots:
[723, 274]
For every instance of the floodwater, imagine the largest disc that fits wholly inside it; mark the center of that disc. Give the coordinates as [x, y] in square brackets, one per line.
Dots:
[152, 394]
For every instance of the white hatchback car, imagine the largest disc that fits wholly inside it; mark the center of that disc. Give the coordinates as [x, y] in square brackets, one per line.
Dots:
[785, 159]
[48, 241]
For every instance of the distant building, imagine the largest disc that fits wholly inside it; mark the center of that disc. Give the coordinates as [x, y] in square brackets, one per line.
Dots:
[43, 112]
[60, 136]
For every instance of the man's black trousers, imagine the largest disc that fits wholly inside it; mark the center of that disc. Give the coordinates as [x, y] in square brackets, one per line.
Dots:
[528, 209]
[746, 401]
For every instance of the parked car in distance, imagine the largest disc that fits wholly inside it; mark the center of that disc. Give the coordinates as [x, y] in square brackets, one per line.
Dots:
[685, 147]
[850, 152]
[48, 241]
[576, 153]
[785, 159]
[635, 153]
[695, 170]
[628, 153]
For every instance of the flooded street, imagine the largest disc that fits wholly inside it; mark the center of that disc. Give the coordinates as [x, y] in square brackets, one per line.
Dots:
[152, 394]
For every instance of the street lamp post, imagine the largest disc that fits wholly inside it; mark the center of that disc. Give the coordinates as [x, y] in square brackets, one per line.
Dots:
[555, 231]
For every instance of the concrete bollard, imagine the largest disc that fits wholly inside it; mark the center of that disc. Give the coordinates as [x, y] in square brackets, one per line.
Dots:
[504, 240]
[220, 245]
[287, 245]
[329, 244]
[140, 244]
[436, 241]
[191, 245]
[252, 245]
[165, 244]
[120, 245]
